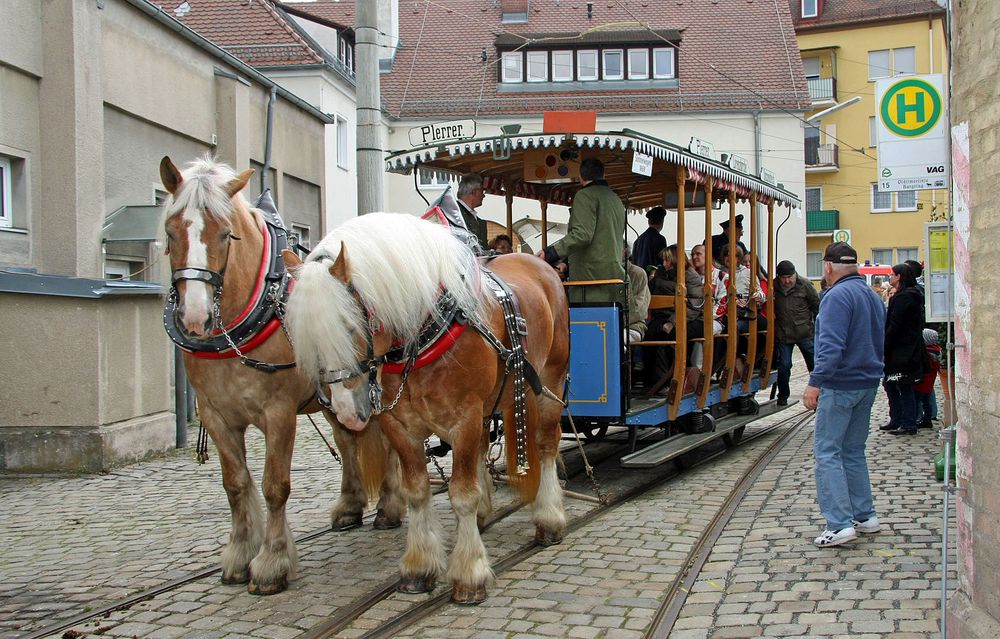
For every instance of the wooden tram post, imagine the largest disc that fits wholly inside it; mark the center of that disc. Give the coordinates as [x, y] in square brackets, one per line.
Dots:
[680, 302]
[752, 303]
[732, 337]
[509, 197]
[708, 303]
[545, 221]
[769, 305]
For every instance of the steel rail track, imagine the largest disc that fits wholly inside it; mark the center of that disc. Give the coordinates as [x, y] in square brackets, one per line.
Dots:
[425, 608]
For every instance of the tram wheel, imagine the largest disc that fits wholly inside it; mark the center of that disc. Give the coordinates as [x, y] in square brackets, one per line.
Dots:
[748, 406]
[734, 436]
[594, 431]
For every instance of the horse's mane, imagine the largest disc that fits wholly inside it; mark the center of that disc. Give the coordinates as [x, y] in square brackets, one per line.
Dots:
[204, 188]
[398, 265]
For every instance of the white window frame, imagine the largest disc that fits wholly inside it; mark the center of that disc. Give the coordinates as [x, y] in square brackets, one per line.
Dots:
[605, 54]
[660, 74]
[642, 74]
[567, 62]
[343, 143]
[908, 249]
[507, 68]
[895, 65]
[872, 191]
[115, 269]
[540, 60]
[885, 71]
[900, 207]
[813, 11]
[303, 230]
[872, 132]
[875, 261]
[806, 198]
[810, 260]
[6, 193]
[580, 66]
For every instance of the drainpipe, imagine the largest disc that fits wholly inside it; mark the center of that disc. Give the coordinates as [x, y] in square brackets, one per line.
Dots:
[265, 176]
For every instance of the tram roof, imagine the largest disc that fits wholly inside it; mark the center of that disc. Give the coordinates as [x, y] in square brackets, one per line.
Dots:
[613, 148]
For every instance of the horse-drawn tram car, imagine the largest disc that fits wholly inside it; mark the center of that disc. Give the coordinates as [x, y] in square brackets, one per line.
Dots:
[701, 398]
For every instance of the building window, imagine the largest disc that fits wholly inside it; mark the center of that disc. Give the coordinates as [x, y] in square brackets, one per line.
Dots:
[810, 8]
[538, 66]
[904, 61]
[562, 66]
[872, 131]
[512, 67]
[6, 210]
[814, 198]
[814, 265]
[882, 256]
[613, 64]
[879, 65]
[343, 144]
[586, 64]
[881, 200]
[907, 253]
[349, 63]
[638, 64]
[811, 66]
[301, 233]
[906, 200]
[663, 63]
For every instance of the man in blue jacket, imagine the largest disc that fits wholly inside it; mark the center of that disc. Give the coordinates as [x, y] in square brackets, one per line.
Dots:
[850, 330]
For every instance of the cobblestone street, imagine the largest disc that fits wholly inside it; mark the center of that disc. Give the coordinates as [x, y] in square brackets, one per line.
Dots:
[73, 544]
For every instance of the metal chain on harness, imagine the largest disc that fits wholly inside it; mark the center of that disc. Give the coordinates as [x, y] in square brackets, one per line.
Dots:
[433, 458]
[272, 294]
[588, 469]
[333, 451]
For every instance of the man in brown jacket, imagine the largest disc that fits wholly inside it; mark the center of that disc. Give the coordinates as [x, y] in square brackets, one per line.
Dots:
[795, 307]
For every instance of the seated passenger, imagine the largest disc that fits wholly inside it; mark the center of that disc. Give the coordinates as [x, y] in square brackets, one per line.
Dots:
[502, 244]
[638, 298]
[743, 315]
[662, 325]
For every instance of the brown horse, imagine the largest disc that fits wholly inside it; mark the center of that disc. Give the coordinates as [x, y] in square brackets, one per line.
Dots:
[374, 283]
[224, 257]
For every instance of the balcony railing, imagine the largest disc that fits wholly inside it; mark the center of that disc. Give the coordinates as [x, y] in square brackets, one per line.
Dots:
[822, 89]
[826, 221]
[822, 157]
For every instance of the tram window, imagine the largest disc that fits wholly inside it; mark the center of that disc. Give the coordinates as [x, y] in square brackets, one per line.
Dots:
[814, 265]
[538, 66]
[512, 67]
[562, 66]
[663, 63]
[586, 64]
[638, 64]
[613, 64]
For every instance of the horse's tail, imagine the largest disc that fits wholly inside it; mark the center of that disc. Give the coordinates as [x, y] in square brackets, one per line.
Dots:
[524, 481]
[318, 313]
[373, 455]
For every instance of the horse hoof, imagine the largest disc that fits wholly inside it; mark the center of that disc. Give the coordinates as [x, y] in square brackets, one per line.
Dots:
[346, 522]
[468, 596]
[547, 537]
[384, 522]
[416, 585]
[236, 579]
[264, 590]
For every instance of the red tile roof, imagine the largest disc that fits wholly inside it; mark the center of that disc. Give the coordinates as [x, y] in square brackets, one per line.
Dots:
[842, 13]
[734, 55]
[252, 31]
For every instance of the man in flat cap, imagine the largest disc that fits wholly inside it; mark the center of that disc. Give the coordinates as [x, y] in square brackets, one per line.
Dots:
[850, 335]
[722, 240]
[795, 307]
[648, 246]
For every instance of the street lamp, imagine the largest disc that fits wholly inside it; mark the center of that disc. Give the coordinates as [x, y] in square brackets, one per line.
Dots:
[835, 107]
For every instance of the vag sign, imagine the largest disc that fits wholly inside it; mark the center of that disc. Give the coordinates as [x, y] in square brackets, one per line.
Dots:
[911, 107]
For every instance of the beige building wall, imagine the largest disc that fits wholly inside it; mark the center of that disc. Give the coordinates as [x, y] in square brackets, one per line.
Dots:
[974, 611]
[92, 95]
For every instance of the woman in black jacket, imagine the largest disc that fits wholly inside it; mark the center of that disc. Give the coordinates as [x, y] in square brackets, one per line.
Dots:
[905, 357]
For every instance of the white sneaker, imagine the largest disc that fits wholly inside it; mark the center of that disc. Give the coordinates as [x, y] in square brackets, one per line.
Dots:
[868, 526]
[836, 537]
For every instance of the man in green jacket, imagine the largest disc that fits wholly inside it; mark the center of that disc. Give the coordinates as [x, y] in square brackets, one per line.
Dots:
[592, 246]
[795, 307]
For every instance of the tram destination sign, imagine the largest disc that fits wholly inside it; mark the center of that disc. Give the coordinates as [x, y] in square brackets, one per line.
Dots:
[442, 132]
[912, 125]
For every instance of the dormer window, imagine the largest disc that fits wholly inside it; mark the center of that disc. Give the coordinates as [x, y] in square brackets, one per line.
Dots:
[810, 8]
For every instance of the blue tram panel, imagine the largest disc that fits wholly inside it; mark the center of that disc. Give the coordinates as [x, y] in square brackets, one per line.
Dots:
[595, 362]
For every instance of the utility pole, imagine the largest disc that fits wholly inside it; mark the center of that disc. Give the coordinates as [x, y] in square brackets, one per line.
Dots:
[369, 111]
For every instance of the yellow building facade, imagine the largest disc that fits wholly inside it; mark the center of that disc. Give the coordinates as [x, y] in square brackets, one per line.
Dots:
[843, 61]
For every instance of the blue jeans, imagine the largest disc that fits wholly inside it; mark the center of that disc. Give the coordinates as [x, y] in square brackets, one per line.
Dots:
[902, 406]
[785, 363]
[843, 487]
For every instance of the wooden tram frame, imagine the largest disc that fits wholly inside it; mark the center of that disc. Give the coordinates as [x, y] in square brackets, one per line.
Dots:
[501, 163]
